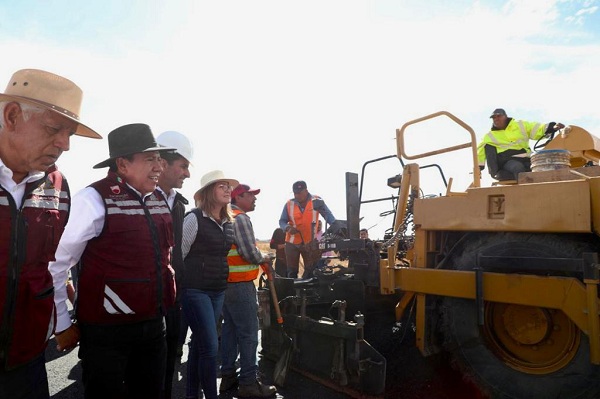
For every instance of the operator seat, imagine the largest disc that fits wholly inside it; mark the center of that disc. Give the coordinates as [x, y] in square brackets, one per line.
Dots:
[491, 156]
[502, 176]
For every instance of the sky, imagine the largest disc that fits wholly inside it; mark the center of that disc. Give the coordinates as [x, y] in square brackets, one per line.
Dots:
[272, 92]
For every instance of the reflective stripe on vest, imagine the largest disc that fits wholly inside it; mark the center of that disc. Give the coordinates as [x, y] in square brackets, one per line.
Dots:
[305, 222]
[239, 269]
[125, 274]
[27, 295]
[515, 136]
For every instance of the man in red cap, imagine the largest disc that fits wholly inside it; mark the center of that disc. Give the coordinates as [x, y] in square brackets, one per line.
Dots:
[240, 309]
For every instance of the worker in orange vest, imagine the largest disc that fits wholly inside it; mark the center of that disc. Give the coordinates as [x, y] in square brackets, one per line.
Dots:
[239, 334]
[299, 219]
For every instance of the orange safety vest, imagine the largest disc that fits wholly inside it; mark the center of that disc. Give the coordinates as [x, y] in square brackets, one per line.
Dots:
[239, 268]
[305, 222]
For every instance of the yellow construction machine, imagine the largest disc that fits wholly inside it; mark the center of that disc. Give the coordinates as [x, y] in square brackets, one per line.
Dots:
[504, 277]
[502, 280]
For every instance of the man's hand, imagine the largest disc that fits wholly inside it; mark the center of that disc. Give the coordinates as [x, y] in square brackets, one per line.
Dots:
[291, 229]
[267, 258]
[266, 267]
[552, 128]
[67, 339]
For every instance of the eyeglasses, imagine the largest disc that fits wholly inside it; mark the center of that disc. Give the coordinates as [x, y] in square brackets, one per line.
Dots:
[225, 186]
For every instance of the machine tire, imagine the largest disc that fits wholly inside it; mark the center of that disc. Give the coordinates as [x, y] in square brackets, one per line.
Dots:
[465, 340]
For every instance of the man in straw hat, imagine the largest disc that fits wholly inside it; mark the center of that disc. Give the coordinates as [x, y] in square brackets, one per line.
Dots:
[39, 113]
[121, 233]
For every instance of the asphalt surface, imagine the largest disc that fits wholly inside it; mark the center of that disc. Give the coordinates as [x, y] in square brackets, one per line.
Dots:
[64, 379]
[410, 376]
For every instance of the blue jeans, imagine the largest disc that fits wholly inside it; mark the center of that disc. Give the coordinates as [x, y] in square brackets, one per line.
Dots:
[240, 331]
[516, 166]
[202, 310]
[29, 381]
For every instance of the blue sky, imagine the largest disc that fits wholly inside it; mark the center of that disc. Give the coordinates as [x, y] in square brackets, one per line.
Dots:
[276, 91]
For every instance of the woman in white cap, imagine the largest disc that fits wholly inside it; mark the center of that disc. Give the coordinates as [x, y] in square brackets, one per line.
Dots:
[207, 238]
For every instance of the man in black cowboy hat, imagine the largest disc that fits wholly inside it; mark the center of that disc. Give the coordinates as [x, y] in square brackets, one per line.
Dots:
[39, 111]
[121, 233]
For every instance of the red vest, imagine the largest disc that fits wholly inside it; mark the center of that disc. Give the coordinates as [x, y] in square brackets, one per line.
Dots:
[28, 239]
[239, 269]
[125, 273]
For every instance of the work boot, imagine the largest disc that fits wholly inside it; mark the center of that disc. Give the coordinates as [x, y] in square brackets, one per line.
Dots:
[228, 381]
[256, 390]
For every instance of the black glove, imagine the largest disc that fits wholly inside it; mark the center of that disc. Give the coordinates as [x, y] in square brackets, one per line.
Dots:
[552, 128]
[481, 167]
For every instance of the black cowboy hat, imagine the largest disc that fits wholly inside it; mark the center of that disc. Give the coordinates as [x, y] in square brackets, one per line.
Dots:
[130, 139]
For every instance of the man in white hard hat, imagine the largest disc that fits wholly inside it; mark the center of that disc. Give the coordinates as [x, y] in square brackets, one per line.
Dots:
[39, 112]
[176, 168]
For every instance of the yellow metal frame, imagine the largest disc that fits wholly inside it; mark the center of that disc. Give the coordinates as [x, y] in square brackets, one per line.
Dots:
[578, 300]
[472, 143]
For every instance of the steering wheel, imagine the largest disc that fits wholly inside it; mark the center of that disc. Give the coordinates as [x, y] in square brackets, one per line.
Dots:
[539, 145]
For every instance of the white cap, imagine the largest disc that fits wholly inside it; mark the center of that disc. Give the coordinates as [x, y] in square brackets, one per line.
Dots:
[178, 141]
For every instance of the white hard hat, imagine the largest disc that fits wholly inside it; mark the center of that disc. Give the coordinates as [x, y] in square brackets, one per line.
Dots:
[178, 141]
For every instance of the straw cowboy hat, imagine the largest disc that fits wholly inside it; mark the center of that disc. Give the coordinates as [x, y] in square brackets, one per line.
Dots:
[213, 177]
[130, 139]
[48, 91]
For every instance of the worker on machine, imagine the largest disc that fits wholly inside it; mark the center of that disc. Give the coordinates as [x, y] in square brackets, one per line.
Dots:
[506, 145]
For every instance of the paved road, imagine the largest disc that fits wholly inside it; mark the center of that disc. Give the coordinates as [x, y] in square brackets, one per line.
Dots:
[64, 376]
[409, 375]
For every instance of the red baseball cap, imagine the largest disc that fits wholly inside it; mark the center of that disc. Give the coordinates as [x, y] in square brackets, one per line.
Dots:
[243, 188]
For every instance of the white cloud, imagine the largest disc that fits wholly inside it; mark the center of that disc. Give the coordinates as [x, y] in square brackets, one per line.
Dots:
[272, 92]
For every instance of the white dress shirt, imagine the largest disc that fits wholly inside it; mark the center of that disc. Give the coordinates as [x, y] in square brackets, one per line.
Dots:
[86, 221]
[17, 191]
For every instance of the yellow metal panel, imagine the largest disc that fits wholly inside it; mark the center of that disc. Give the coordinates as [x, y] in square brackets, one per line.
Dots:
[542, 207]
[559, 174]
[574, 138]
[566, 294]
